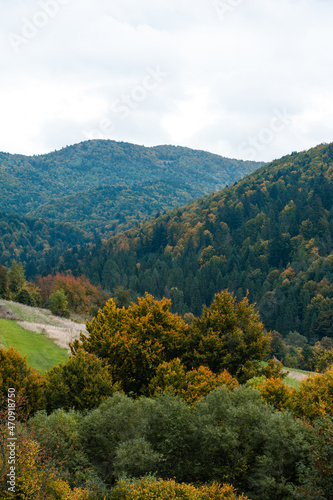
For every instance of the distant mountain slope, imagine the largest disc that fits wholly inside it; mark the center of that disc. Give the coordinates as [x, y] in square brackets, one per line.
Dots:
[38, 244]
[271, 234]
[101, 180]
[113, 209]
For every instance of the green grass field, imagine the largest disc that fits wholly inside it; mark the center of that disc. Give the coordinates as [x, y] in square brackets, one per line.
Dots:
[41, 352]
[295, 384]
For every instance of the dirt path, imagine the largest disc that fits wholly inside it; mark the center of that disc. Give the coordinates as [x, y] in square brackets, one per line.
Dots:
[298, 376]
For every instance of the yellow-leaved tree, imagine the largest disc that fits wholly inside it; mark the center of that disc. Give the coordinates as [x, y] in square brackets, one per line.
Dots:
[135, 341]
[190, 385]
[314, 399]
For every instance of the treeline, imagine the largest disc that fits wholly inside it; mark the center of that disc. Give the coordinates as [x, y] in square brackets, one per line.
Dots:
[294, 351]
[62, 293]
[270, 234]
[150, 407]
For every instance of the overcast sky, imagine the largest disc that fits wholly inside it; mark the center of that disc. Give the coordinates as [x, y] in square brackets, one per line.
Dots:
[249, 79]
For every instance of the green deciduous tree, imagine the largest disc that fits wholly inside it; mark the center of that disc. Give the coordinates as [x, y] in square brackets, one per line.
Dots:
[58, 303]
[247, 443]
[16, 277]
[59, 433]
[317, 474]
[229, 336]
[81, 383]
[4, 283]
[115, 432]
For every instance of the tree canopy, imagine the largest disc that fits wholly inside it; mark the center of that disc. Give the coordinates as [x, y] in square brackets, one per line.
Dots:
[135, 341]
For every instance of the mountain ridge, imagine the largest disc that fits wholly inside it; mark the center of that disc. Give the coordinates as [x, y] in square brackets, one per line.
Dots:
[36, 185]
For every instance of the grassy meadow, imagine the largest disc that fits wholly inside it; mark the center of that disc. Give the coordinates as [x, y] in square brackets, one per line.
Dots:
[42, 353]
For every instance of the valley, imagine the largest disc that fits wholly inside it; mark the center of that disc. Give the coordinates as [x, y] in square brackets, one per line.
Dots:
[166, 322]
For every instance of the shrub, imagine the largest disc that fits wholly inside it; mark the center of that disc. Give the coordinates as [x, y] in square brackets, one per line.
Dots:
[191, 385]
[277, 393]
[314, 399]
[58, 304]
[27, 382]
[148, 488]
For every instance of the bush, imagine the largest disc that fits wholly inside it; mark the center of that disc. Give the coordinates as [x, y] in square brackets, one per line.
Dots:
[228, 436]
[247, 443]
[314, 399]
[108, 432]
[191, 385]
[58, 304]
[59, 432]
[317, 474]
[27, 382]
[148, 488]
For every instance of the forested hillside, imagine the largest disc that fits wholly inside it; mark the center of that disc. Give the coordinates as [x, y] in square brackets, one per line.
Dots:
[38, 244]
[103, 186]
[270, 233]
[109, 210]
[151, 404]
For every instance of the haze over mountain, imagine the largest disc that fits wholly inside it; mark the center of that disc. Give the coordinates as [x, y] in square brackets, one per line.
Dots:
[270, 234]
[105, 187]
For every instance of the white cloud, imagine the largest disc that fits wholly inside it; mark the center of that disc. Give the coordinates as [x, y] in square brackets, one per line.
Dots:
[229, 66]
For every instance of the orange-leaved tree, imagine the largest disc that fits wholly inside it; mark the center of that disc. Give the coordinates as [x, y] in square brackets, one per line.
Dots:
[135, 341]
[81, 295]
[314, 399]
[15, 374]
[278, 393]
[192, 385]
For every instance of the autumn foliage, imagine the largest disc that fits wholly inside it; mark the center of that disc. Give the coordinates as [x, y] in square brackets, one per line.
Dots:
[230, 336]
[190, 385]
[135, 341]
[315, 397]
[80, 294]
[278, 393]
[28, 383]
[147, 488]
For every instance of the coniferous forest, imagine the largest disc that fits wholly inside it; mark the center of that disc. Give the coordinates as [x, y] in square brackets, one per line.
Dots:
[268, 235]
[198, 299]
